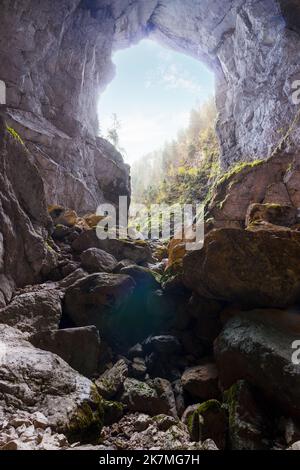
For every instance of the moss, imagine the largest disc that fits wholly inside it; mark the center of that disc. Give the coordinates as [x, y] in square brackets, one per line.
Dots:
[86, 423]
[15, 135]
[230, 400]
[193, 425]
[194, 421]
[236, 169]
[172, 272]
[209, 405]
[113, 411]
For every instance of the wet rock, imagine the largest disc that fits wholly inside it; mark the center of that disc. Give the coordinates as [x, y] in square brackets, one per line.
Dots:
[246, 267]
[95, 260]
[201, 381]
[248, 423]
[259, 344]
[111, 382]
[34, 311]
[79, 347]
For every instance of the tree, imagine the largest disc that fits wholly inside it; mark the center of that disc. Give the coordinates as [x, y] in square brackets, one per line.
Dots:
[113, 131]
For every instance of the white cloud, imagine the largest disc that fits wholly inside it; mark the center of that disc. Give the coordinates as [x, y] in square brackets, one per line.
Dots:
[172, 77]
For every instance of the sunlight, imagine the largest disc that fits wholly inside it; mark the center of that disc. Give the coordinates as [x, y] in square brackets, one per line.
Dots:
[152, 94]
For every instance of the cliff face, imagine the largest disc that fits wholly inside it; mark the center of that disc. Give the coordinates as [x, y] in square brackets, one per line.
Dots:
[56, 59]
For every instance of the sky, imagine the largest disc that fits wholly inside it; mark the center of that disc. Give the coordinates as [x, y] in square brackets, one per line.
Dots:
[153, 91]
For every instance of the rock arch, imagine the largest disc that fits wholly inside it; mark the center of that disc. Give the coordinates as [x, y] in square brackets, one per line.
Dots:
[57, 58]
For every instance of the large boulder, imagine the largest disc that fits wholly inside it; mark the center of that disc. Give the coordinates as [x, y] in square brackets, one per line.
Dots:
[100, 300]
[258, 347]
[153, 398]
[95, 260]
[79, 347]
[252, 268]
[201, 381]
[136, 251]
[34, 380]
[249, 425]
[33, 312]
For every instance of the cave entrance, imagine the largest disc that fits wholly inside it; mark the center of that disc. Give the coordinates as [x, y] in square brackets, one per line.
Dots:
[159, 112]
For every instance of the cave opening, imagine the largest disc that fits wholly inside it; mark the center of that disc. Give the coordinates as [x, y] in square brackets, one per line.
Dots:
[159, 112]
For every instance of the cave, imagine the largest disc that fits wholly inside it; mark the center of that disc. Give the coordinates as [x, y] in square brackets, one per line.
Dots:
[64, 61]
[122, 343]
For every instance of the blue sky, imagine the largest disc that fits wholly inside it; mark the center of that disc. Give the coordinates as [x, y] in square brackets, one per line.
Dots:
[152, 93]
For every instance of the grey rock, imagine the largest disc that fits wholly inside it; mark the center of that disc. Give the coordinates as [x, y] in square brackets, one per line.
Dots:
[259, 344]
[95, 260]
[79, 347]
[165, 345]
[135, 351]
[138, 368]
[34, 311]
[23, 217]
[248, 104]
[249, 425]
[34, 380]
[153, 398]
[111, 381]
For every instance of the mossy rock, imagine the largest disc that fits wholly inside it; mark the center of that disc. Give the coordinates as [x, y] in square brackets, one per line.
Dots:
[113, 411]
[209, 421]
[87, 422]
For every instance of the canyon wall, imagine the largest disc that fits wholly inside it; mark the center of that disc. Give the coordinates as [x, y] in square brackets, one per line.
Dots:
[56, 59]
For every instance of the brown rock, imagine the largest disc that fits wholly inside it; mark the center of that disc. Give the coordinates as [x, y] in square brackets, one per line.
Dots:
[95, 260]
[275, 214]
[252, 268]
[201, 381]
